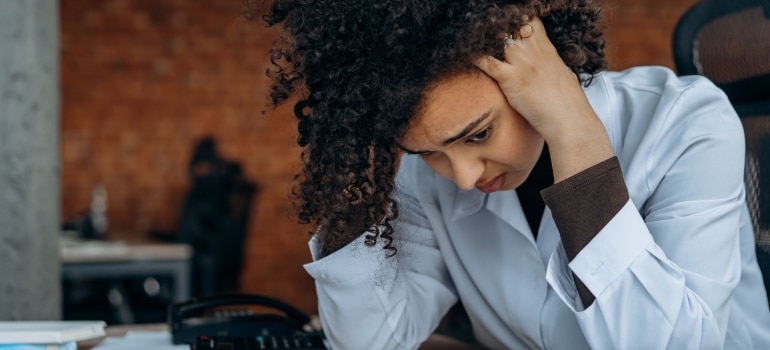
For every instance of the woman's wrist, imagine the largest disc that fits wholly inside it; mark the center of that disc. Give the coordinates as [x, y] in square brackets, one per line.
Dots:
[575, 148]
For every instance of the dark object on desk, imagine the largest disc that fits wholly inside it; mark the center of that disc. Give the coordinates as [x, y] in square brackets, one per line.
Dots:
[214, 219]
[223, 319]
[126, 300]
[83, 226]
[294, 341]
[728, 41]
[457, 325]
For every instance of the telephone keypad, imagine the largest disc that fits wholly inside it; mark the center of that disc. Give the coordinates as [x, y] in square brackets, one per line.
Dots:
[262, 342]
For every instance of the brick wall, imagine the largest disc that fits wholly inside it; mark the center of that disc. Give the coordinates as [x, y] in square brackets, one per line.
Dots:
[640, 31]
[142, 80]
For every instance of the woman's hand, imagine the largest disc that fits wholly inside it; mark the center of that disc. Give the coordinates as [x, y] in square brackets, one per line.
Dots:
[547, 93]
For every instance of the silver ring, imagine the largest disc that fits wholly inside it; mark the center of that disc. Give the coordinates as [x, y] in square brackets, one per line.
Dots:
[508, 41]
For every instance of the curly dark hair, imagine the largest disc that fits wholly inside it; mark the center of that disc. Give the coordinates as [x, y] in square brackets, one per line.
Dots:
[360, 69]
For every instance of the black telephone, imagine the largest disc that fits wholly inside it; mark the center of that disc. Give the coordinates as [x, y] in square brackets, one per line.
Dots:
[213, 323]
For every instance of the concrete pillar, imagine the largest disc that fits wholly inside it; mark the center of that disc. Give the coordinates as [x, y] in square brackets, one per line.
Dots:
[30, 287]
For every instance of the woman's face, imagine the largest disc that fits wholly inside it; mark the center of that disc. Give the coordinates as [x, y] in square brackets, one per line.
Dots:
[468, 132]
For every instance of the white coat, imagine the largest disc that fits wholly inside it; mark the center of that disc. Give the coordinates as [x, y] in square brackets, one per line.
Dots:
[674, 269]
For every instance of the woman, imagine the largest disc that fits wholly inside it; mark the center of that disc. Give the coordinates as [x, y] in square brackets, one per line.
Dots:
[641, 238]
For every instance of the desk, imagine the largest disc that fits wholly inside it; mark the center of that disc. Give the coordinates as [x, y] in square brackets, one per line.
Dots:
[434, 342]
[89, 260]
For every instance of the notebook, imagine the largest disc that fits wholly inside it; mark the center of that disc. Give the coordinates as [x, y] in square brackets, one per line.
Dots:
[49, 332]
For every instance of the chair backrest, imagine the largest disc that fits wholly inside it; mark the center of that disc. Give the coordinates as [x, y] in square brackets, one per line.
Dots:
[215, 218]
[756, 125]
[729, 42]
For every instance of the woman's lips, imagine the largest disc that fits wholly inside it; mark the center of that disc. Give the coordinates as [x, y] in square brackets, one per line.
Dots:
[493, 185]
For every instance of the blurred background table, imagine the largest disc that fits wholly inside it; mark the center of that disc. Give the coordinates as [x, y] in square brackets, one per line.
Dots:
[102, 270]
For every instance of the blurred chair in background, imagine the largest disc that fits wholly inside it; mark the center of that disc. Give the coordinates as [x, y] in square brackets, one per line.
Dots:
[215, 219]
[728, 41]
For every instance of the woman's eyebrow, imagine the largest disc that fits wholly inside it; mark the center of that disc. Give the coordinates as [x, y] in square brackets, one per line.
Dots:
[464, 132]
[468, 128]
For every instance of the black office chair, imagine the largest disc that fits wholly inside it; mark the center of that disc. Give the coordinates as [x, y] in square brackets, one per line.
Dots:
[215, 219]
[728, 41]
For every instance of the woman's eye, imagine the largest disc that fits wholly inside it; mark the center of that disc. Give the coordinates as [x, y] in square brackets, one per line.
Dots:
[427, 154]
[481, 136]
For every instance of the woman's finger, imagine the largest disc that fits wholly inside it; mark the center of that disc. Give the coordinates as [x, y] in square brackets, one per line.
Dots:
[493, 67]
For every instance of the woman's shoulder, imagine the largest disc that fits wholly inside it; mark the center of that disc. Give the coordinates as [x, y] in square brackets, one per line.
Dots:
[659, 80]
[652, 110]
[656, 96]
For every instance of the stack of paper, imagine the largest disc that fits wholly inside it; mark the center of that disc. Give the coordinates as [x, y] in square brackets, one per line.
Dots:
[155, 340]
[47, 335]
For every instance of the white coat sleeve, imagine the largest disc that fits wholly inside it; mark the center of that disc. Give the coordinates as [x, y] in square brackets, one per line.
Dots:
[367, 301]
[663, 276]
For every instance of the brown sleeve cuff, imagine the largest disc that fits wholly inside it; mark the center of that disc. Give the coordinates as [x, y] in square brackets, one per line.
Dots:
[585, 202]
[582, 205]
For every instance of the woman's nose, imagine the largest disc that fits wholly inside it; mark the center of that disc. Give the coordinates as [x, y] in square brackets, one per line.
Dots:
[466, 172]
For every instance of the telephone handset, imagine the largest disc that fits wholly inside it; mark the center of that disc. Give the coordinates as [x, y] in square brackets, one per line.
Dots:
[226, 318]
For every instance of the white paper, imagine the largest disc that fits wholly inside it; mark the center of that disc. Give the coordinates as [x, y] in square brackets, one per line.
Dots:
[156, 340]
[49, 332]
